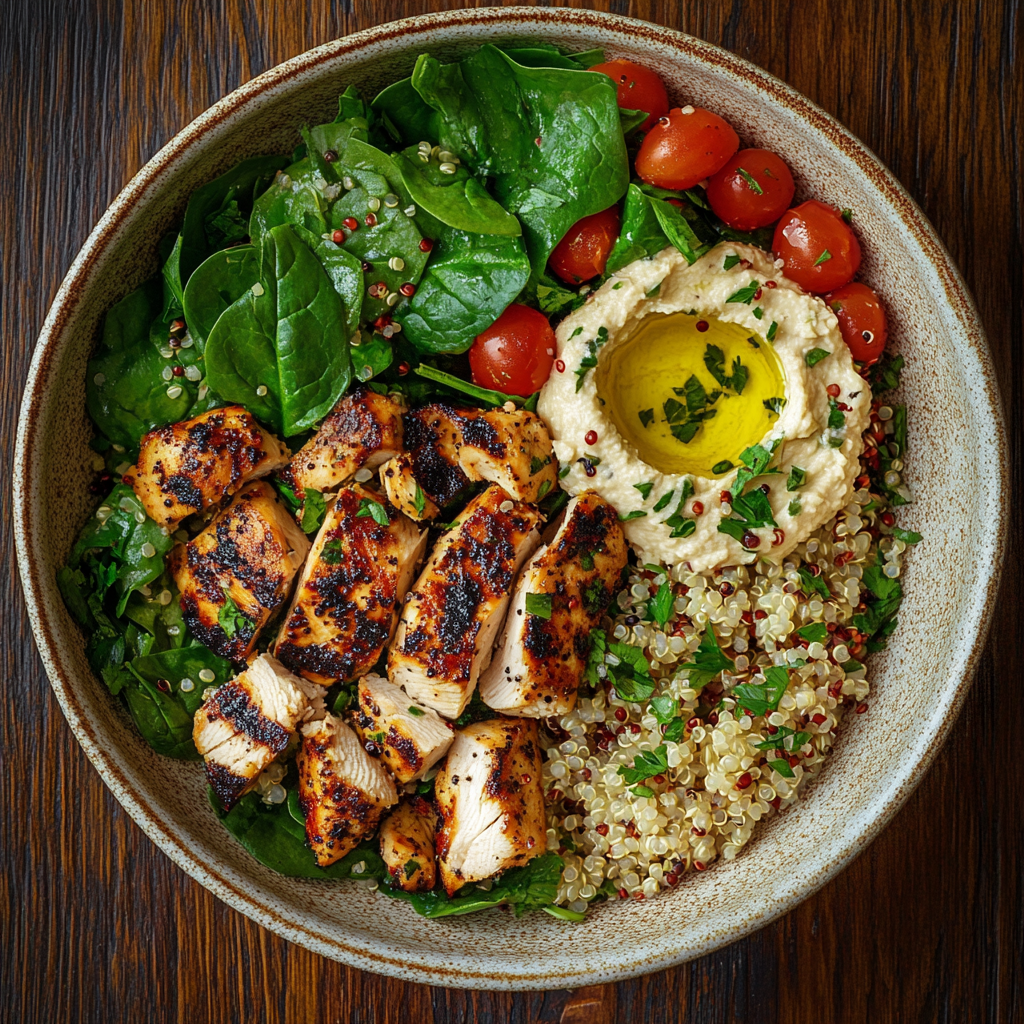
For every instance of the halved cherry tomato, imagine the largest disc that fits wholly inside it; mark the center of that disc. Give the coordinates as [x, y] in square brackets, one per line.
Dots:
[754, 189]
[515, 353]
[683, 149]
[639, 88]
[818, 249]
[862, 320]
[583, 252]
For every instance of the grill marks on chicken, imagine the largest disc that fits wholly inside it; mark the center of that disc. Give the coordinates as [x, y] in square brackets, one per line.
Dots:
[407, 845]
[248, 722]
[453, 612]
[343, 791]
[491, 802]
[350, 592]
[363, 430]
[540, 660]
[447, 448]
[248, 555]
[194, 465]
[410, 739]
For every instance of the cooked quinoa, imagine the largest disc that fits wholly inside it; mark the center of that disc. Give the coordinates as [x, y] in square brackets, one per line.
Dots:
[717, 783]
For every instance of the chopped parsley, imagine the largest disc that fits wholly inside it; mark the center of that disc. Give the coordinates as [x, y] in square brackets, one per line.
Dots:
[763, 698]
[813, 584]
[331, 552]
[795, 508]
[314, 508]
[755, 460]
[624, 665]
[784, 739]
[660, 606]
[415, 711]
[714, 360]
[564, 471]
[771, 331]
[663, 501]
[645, 765]
[882, 603]
[796, 479]
[684, 420]
[815, 356]
[745, 295]
[545, 486]
[539, 605]
[907, 536]
[813, 632]
[410, 867]
[642, 791]
[646, 417]
[644, 489]
[681, 525]
[589, 360]
[730, 261]
[537, 464]
[374, 509]
[782, 767]
[885, 375]
[654, 291]
[638, 513]
[825, 255]
[616, 286]
[664, 709]
[847, 214]
[419, 500]
[708, 662]
[751, 181]
[774, 404]
[232, 620]
[758, 313]
[836, 418]
[722, 467]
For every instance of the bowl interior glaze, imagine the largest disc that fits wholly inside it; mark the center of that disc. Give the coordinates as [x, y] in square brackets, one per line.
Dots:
[918, 684]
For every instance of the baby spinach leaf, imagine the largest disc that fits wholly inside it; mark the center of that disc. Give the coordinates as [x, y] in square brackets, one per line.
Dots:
[372, 357]
[288, 341]
[163, 720]
[216, 283]
[677, 230]
[408, 118]
[180, 663]
[494, 110]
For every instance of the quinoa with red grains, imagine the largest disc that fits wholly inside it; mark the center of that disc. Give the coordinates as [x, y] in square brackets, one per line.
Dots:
[641, 791]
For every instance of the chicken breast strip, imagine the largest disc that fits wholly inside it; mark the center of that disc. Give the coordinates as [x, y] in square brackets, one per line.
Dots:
[491, 802]
[351, 589]
[561, 596]
[452, 614]
[409, 738]
[407, 845]
[236, 573]
[249, 721]
[343, 791]
[194, 465]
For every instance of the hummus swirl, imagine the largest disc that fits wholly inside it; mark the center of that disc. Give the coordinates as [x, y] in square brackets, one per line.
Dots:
[827, 455]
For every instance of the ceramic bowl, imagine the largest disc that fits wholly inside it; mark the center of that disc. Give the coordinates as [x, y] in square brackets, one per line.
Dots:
[957, 469]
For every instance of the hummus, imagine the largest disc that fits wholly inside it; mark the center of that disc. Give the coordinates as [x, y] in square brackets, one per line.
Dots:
[776, 389]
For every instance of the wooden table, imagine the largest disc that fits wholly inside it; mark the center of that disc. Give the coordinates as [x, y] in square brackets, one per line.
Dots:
[99, 926]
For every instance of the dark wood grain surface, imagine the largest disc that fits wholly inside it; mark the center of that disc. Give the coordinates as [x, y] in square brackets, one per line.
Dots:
[96, 925]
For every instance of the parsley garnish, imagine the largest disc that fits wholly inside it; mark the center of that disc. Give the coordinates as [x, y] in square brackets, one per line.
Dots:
[564, 471]
[410, 867]
[638, 513]
[813, 632]
[774, 404]
[537, 464]
[646, 764]
[796, 479]
[415, 711]
[714, 360]
[663, 501]
[646, 417]
[836, 419]
[825, 255]
[722, 467]
[885, 375]
[589, 360]
[782, 767]
[661, 604]
[815, 356]
[684, 420]
[545, 486]
[751, 182]
[879, 619]
[784, 739]
[644, 489]
[847, 214]
[755, 461]
[758, 313]
[745, 295]
[708, 662]
[643, 791]
[232, 620]
[419, 500]
[539, 605]
[730, 261]
[771, 331]
[763, 698]
[331, 552]
[795, 508]
[681, 526]
[313, 510]
[664, 709]
[812, 583]
[374, 509]
[907, 536]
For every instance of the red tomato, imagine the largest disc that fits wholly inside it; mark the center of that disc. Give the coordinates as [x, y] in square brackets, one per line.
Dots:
[515, 353]
[684, 149]
[639, 88]
[583, 252]
[817, 247]
[862, 321]
[754, 189]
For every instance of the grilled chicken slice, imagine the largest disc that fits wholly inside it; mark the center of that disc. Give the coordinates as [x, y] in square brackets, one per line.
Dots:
[407, 845]
[410, 739]
[342, 790]
[363, 430]
[563, 592]
[236, 573]
[448, 447]
[194, 465]
[452, 615]
[249, 721]
[350, 592]
[490, 800]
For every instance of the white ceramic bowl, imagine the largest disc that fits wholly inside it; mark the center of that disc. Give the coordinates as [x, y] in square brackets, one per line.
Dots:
[957, 468]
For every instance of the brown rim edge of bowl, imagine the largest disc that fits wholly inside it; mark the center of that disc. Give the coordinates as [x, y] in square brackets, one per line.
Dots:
[223, 111]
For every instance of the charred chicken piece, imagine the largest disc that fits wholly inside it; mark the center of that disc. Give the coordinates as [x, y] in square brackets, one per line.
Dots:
[563, 592]
[363, 430]
[343, 791]
[236, 573]
[194, 465]
[350, 592]
[453, 612]
[449, 447]
[410, 739]
[490, 800]
[407, 845]
[248, 722]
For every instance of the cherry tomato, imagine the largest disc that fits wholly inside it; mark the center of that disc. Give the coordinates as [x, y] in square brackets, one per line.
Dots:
[639, 88]
[754, 189]
[583, 252]
[515, 353]
[862, 321]
[818, 249]
[683, 149]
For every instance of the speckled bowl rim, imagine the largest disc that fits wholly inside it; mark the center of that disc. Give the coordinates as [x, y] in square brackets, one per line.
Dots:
[821, 863]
